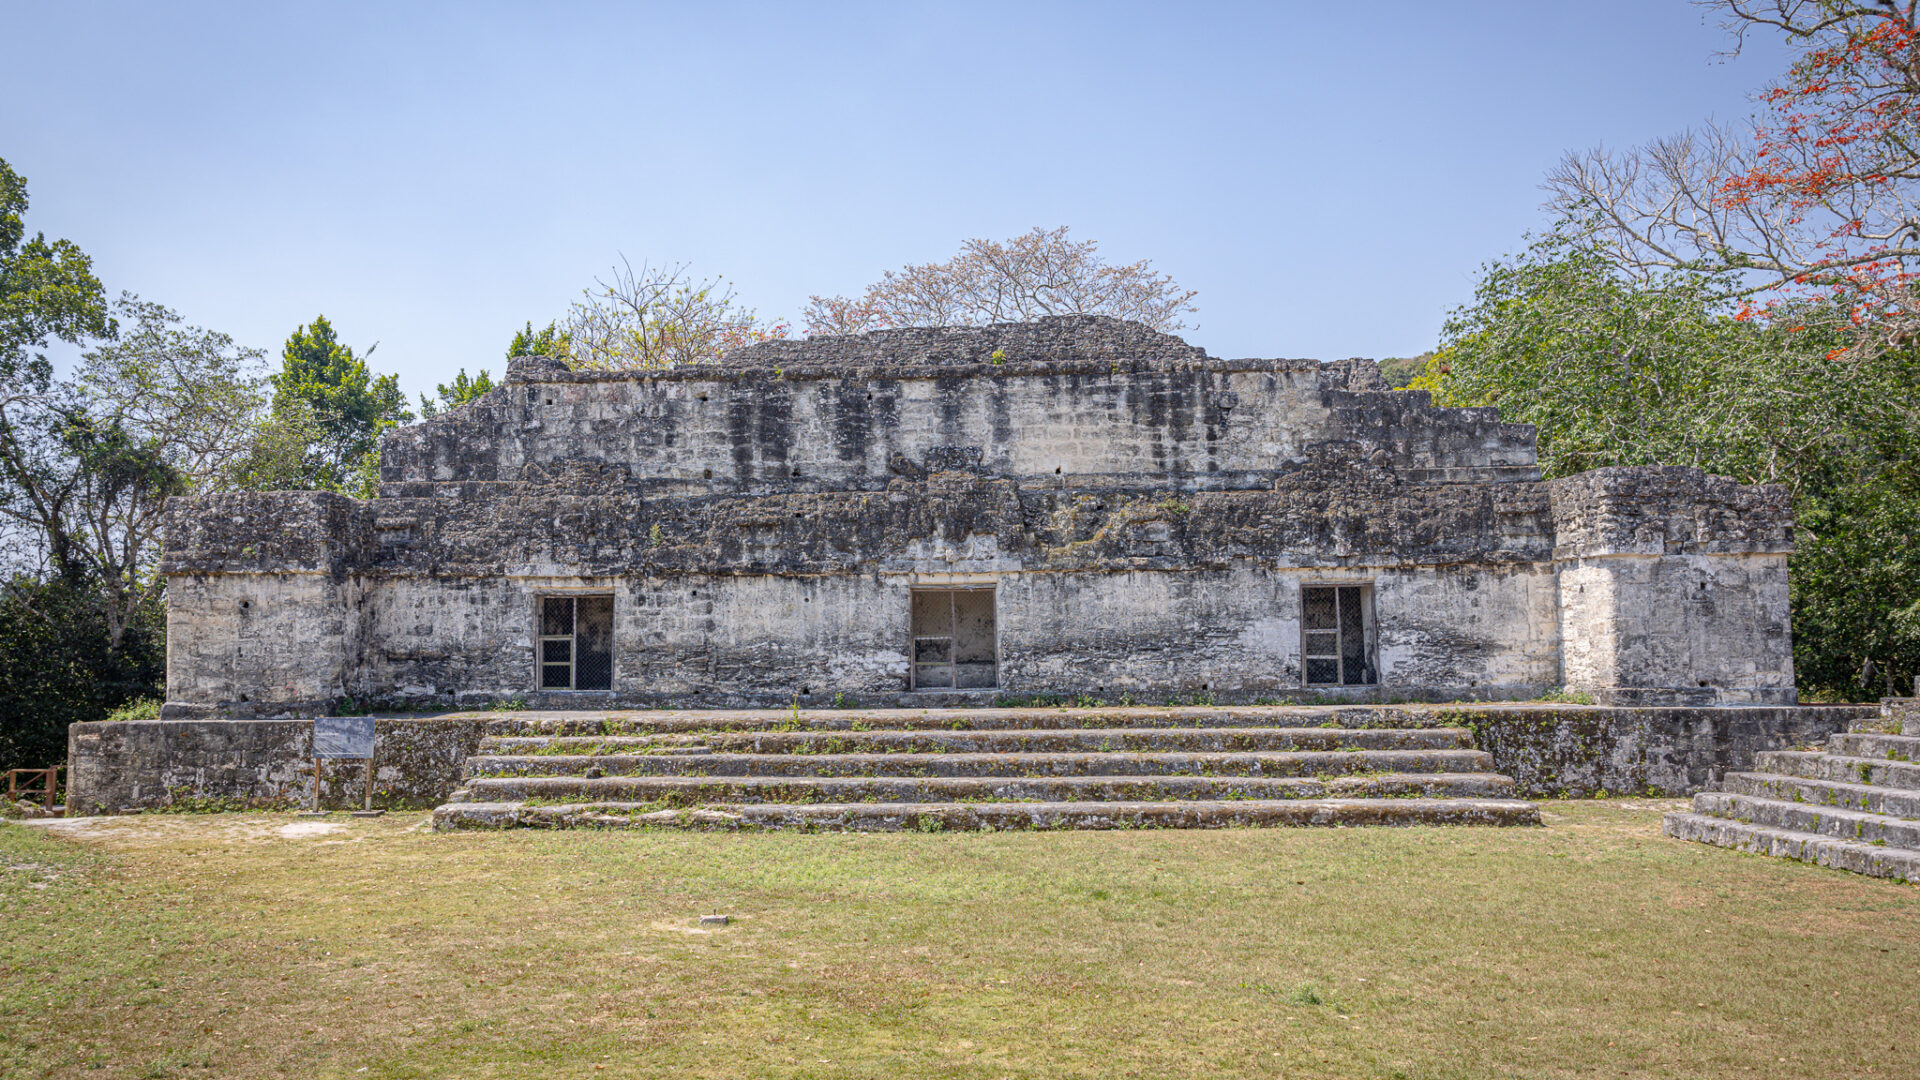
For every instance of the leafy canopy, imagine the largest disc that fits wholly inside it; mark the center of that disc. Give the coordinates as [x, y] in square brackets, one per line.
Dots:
[550, 340]
[324, 389]
[1619, 371]
[47, 289]
[451, 396]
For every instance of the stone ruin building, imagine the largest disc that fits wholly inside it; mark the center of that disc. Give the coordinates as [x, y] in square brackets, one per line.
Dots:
[1075, 506]
[702, 596]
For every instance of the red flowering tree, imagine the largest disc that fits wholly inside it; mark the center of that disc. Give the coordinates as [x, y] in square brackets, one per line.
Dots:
[1818, 194]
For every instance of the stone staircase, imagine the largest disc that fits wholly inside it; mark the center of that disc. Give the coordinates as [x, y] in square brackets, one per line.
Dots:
[1853, 806]
[992, 768]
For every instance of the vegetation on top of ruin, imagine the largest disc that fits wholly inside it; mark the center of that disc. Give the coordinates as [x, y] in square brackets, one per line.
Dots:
[655, 317]
[1038, 273]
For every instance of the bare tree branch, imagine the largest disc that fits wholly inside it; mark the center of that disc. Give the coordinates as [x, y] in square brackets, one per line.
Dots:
[1817, 195]
[1039, 273]
[659, 317]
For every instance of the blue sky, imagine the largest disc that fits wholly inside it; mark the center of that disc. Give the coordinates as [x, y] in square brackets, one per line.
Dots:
[430, 176]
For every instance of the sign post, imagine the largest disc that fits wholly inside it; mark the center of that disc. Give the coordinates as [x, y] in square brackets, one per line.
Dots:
[337, 737]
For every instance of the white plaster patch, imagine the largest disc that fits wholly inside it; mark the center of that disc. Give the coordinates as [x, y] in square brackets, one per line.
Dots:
[1273, 637]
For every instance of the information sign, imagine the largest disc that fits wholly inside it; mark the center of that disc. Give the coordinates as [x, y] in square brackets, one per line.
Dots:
[343, 737]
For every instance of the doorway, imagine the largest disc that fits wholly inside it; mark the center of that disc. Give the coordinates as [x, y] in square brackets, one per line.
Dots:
[576, 643]
[1336, 624]
[955, 644]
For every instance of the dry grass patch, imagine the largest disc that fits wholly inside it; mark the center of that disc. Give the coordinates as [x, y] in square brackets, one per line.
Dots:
[224, 946]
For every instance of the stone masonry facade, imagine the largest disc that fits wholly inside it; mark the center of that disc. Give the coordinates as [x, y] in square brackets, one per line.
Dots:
[1073, 506]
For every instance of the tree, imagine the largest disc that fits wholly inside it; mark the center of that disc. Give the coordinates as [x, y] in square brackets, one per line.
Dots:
[47, 289]
[47, 292]
[86, 464]
[1817, 195]
[1806, 221]
[550, 340]
[192, 392]
[1619, 371]
[349, 406]
[280, 453]
[56, 668]
[89, 463]
[1039, 273]
[1616, 371]
[658, 318]
[1856, 585]
[462, 390]
[1401, 370]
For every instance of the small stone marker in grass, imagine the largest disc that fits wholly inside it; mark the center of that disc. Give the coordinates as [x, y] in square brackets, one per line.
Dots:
[715, 920]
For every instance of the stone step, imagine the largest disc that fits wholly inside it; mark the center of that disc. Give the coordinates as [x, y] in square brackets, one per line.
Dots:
[1862, 744]
[687, 791]
[1816, 765]
[936, 817]
[1868, 828]
[668, 721]
[1302, 763]
[1901, 714]
[1888, 862]
[1059, 740]
[1893, 802]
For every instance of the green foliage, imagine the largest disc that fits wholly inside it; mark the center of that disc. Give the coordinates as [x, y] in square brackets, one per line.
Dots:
[349, 407]
[1856, 587]
[192, 394]
[461, 391]
[47, 289]
[280, 452]
[142, 709]
[87, 464]
[1621, 371]
[551, 340]
[56, 666]
[1401, 370]
[153, 409]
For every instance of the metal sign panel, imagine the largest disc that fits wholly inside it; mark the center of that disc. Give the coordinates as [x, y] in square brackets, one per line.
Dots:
[343, 737]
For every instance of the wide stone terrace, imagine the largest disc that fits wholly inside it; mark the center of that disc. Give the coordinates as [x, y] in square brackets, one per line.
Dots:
[1075, 768]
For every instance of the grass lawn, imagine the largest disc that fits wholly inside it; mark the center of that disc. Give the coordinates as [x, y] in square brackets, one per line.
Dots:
[220, 946]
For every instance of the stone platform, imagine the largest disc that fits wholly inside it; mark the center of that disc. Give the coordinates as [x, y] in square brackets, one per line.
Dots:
[1549, 750]
[932, 769]
[1854, 805]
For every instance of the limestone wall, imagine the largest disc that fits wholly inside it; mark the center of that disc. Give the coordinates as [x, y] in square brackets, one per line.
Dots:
[287, 642]
[238, 764]
[1673, 588]
[1036, 401]
[1584, 751]
[1233, 634]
